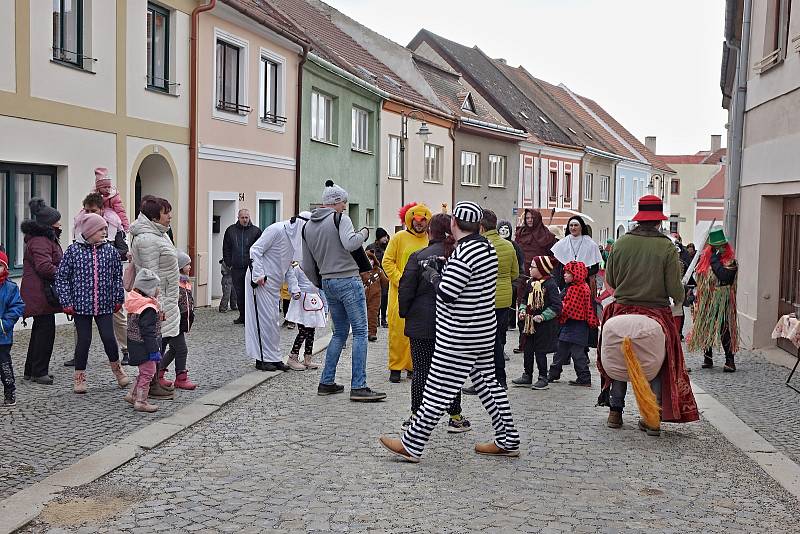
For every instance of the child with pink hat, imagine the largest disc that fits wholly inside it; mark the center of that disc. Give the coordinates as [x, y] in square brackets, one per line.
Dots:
[111, 198]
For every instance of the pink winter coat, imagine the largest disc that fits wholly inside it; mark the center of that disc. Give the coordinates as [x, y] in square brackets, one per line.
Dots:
[114, 202]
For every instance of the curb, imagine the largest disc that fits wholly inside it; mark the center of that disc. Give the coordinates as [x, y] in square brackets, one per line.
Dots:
[776, 464]
[24, 506]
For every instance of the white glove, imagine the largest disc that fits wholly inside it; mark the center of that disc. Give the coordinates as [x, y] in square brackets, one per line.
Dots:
[365, 232]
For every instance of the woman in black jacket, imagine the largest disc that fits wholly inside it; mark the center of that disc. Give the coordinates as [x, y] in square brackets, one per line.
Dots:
[417, 302]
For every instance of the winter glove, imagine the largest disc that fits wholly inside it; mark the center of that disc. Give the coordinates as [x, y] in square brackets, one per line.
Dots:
[432, 275]
[69, 310]
[365, 232]
[154, 356]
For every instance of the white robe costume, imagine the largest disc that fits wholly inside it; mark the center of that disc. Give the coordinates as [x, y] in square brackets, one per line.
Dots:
[271, 255]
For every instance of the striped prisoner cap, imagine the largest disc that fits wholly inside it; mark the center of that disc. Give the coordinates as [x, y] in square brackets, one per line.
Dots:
[468, 212]
[545, 264]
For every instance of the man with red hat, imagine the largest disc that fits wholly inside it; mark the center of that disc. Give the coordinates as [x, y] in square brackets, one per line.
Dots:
[644, 271]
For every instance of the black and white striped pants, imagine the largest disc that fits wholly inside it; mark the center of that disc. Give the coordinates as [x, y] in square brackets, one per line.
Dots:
[449, 371]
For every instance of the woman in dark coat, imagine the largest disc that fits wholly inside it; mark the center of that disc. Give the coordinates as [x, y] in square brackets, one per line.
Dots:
[533, 236]
[417, 305]
[40, 262]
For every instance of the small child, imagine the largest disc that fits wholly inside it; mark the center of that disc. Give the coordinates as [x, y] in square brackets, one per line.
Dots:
[308, 309]
[11, 309]
[373, 282]
[177, 345]
[144, 336]
[577, 318]
[538, 305]
[111, 198]
[89, 287]
[228, 300]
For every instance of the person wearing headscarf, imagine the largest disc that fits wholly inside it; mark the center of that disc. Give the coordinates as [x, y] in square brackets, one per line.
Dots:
[402, 244]
[714, 310]
[533, 236]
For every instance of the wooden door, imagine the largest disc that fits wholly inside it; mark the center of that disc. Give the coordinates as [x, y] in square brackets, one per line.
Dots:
[790, 264]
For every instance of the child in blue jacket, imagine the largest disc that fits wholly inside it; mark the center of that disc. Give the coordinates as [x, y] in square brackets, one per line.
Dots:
[11, 309]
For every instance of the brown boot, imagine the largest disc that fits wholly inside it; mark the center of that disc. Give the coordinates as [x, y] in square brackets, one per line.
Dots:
[730, 364]
[119, 374]
[141, 404]
[79, 382]
[491, 449]
[614, 419]
[395, 446]
[157, 391]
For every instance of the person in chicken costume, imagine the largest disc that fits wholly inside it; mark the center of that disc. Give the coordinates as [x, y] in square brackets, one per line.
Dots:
[401, 246]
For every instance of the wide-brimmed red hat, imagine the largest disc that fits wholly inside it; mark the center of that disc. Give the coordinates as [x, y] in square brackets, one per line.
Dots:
[651, 208]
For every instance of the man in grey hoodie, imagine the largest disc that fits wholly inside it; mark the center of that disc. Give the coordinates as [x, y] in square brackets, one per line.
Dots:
[328, 240]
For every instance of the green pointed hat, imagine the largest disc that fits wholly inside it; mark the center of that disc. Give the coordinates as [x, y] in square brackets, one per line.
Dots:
[717, 237]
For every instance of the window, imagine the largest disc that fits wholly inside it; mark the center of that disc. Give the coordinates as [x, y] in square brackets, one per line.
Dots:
[360, 133]
[271, 105]
[552, 191]
[433, 163]
[157, 48]
[68, 31]
[776, 34]
[395, 157]
[497, 171]
[588, 185]
[675, 187]
[567, 186]
[229, 78]
[18, 184]
[370, 222]
[469, 168]
[321, 117]
[673, 227]
[469, 104]
[605, 188]
[621, 192]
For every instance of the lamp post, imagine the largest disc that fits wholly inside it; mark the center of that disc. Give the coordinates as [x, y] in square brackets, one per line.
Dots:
[423, 132]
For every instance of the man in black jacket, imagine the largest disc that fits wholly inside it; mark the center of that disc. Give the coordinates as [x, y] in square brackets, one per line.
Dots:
[236, 243]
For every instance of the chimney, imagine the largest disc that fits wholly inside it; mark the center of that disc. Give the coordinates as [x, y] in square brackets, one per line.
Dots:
[716, 143]
[650, 143]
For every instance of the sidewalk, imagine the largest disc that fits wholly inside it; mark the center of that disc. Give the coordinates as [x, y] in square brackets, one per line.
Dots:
[51, 428]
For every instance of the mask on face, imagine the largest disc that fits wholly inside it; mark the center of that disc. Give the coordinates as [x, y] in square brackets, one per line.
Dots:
[504, 231]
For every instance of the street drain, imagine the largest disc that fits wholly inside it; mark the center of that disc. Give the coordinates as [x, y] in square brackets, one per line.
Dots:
[75, 512]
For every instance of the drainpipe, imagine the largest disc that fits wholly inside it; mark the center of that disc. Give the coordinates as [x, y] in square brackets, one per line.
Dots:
[299, 128]
[736, 148]
[192, 228]
[539, 195]
[452, 132]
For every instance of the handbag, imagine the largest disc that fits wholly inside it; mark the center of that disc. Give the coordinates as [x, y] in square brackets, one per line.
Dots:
[50, 295]
[312, 302]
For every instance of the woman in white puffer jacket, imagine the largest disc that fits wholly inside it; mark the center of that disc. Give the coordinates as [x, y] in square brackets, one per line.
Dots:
[152, 249]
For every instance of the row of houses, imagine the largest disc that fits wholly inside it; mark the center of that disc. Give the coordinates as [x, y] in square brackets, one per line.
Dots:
[224, 104]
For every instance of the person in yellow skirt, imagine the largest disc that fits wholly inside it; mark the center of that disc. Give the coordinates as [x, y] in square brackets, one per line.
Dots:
[401, 246]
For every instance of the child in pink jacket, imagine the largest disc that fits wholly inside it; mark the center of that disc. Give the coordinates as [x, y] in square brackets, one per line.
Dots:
[111, 198]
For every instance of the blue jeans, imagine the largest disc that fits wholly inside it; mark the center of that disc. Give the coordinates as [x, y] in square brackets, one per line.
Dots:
[348, 306]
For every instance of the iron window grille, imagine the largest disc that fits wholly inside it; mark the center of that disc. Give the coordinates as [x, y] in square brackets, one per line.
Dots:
[229, 79]
[271, 97]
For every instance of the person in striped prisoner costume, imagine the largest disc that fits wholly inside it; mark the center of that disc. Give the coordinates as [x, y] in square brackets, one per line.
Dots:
[465, 334]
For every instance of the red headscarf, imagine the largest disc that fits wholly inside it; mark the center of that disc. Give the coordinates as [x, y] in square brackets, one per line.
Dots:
[577, 302]
[4, 261]
[726, 257]
[536, 239]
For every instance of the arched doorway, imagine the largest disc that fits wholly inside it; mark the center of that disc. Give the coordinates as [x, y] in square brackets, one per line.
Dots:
[154, 177]
[620, 231]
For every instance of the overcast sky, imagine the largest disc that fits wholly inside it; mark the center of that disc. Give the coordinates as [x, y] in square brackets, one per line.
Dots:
[653, 64]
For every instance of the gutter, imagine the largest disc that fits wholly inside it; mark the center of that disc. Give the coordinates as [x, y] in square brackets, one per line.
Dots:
[735, 150]
[192, 226]
[496, 127]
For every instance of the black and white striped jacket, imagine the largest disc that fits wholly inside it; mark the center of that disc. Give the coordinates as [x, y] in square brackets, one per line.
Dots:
[465, 298]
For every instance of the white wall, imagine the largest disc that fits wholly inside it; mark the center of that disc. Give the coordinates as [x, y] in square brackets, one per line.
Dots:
[152, 105]
[8, 73]
[52, 81]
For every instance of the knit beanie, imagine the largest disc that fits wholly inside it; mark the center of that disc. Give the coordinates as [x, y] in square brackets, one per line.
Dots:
[147, 282]
[87, 224]
[333, 194]
[101, 177]
[380, 233]
[467, 211]
[183, 259]
[545, 264]
[42, 213]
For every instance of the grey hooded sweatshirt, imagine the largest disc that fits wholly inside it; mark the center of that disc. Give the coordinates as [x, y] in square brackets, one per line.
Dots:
[329, 248]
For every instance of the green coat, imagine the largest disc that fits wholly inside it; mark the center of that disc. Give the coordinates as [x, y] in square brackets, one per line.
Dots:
[507, 268]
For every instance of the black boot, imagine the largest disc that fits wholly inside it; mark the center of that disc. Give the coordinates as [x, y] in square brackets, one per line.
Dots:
[395, 377]
[730, 365]
[708, 361]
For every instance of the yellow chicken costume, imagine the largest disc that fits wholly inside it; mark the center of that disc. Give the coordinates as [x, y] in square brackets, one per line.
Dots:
[400, 247]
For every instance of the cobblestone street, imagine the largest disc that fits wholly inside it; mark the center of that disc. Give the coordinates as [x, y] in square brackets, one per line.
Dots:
[282, 458]
[51, 428]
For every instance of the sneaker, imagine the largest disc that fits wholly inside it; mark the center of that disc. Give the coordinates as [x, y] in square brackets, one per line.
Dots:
[581, 384]
[372, 339]
[366, 395]
[458, 424]
[70, 363]
[614, 419]
[9, 399]
[395, 446]
[518, 350]
[46, 380]
[395, 377]
[469, 390]
[524, 380]
[542, 383]
[407, 423]
[329, 389]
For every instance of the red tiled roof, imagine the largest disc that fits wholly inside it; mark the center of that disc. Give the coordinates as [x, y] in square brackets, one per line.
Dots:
[693, 159]
[259, 11]
[334, 45]
[716, 156]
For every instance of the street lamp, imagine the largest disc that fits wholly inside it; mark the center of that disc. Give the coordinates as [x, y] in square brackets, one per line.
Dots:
[423, 132]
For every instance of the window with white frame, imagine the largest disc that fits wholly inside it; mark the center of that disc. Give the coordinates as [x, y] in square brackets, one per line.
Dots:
[370, 222]
[272, 101]
[321, 117]
[621, 192]
[433, 163]
[469, 168]
[552, 190]
[395, 157]
[588, 186]
[497, 170]
[605, 188]
[360, 130]
[231, 75]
